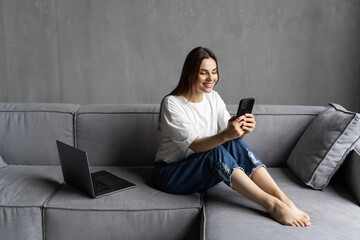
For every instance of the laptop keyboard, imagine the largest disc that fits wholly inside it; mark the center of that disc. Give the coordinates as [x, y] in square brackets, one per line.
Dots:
[100, 187]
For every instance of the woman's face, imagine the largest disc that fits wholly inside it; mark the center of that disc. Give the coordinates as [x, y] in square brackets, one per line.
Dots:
[207, 77]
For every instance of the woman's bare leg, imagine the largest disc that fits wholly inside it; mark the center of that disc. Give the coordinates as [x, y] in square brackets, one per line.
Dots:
[275, 207]
[262, 178]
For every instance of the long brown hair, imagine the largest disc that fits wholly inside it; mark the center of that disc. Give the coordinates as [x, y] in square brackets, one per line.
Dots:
[189, 73]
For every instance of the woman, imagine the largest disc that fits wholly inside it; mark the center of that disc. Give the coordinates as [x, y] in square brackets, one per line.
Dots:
[202, 146]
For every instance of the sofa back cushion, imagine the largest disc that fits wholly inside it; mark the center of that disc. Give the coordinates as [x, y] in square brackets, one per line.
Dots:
[278, 128]
[118, 135]
[28, 131]
[126, 135]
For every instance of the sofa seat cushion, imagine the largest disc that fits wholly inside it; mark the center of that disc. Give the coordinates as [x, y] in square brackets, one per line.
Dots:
[138, 213]
[23, 191]
[228, 215]
[28, 186]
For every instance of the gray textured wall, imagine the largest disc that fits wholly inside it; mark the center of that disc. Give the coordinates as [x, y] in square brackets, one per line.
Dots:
[91, 51]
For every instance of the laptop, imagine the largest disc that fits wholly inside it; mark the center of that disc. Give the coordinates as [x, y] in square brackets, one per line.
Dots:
[76, 172]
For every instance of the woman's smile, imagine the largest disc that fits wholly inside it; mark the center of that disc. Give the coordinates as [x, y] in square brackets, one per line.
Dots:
[209, 85]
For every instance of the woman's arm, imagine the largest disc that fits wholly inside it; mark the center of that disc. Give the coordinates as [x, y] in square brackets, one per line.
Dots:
[237, 127]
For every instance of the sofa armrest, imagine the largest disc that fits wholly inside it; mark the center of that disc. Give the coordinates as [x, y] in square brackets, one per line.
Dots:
[350, 173]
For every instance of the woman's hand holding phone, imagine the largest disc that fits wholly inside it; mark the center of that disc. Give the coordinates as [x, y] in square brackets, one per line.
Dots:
[243, 122]
[248, 123]
[245, 108]
[234, 129]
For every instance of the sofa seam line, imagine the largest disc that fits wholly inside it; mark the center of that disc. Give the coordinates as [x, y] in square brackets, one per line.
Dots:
[155, 113]
[120, 210]
[36, 111]
[2, 206]
[286, 114]
[75, 129]
[203, 222]
[43, 208]
[120, 113]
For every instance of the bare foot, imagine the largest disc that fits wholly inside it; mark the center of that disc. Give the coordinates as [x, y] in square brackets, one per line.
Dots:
[292, 206]
[287, 215]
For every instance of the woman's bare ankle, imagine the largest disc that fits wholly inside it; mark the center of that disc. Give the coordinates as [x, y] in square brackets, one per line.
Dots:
[271, 203]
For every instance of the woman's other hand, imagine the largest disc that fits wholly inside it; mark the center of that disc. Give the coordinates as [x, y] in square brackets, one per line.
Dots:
[248, 123]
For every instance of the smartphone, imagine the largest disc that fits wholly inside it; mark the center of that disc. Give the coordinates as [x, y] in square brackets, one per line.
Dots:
[245, 106]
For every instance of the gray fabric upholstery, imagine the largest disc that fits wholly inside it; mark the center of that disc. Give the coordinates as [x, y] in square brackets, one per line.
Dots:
[34, 204]
[118, 135]
[107, 225]
[28, 131]
[324, 146]
[231, 216]
[2, 163]
[111, 141]
[138, 213]
[349, 173]
[278, 128]
[23, 191]
[22, 186]
[18, 223]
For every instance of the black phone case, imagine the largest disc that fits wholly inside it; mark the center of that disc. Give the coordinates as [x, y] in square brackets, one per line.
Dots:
[245, 106]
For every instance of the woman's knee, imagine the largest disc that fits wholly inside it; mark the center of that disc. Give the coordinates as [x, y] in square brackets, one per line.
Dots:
[219, 152]
[239, 141]
[221, 157]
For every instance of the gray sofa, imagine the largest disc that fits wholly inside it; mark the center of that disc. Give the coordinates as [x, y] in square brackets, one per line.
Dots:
[36, 204]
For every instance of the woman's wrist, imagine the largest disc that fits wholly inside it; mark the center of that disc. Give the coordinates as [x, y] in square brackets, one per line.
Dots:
[230, 134]
[224, 136]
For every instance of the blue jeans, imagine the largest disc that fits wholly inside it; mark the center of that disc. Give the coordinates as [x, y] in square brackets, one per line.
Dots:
[200, 171]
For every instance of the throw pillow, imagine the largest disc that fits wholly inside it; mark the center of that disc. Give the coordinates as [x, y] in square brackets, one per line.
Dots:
[324, 146]
[2, 163]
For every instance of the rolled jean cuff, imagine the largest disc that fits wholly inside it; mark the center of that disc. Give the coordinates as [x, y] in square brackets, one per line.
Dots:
[229, 183]
[253, 170]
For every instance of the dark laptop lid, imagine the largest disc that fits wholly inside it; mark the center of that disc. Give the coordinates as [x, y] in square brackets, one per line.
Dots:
[75, 168]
